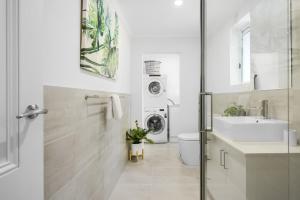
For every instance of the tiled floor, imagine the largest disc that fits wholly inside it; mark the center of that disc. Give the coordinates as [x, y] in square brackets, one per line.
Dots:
[161, 176]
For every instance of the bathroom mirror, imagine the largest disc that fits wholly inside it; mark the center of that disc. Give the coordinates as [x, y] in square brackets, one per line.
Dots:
[246, 46]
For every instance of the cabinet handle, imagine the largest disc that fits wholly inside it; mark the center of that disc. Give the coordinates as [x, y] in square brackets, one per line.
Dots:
[221, 158]
[225, 153]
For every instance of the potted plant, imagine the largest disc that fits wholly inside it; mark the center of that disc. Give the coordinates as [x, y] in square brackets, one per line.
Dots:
[137, 136]
[235, 110]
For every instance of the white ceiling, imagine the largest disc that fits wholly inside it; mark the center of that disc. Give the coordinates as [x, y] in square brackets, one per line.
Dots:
[161, 18]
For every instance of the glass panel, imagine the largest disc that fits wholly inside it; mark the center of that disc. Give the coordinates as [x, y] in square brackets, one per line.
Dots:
[3, 124]
[247, 70]
[294, 106]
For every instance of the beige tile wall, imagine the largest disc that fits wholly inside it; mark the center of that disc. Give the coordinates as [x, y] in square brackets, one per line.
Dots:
[278, 102]
[84, 153]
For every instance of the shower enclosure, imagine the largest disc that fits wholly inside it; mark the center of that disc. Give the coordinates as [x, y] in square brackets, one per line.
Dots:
[249, 101]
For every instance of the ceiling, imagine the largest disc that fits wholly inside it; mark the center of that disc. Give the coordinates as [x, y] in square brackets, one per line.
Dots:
[161, 18]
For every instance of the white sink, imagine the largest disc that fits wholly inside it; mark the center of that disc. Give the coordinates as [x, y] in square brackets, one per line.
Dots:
[250, 129]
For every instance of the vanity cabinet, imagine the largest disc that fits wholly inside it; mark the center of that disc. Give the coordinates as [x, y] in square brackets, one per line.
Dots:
[226, 173]
[236, 175]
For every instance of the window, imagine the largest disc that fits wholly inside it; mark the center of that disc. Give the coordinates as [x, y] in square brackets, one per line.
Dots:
[240, 58]
[245, 64]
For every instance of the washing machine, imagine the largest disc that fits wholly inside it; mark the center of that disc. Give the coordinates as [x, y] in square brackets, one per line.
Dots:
[157, 120]
[154, 92]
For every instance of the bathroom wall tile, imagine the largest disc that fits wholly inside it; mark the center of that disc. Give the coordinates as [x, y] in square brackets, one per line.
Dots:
[278, 102]
[59, 164]
[88, 180]
[68, 191]
[83, 151]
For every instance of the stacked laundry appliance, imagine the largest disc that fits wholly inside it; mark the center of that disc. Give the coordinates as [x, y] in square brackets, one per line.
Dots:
[155, 102]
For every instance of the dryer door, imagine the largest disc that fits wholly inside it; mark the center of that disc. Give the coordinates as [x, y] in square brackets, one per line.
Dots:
[156, 123]
[155, 88]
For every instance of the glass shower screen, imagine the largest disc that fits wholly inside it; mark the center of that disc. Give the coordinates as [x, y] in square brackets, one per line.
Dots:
[247, 68]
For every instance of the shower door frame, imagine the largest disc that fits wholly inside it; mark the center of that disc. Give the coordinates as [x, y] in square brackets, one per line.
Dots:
[202, 102]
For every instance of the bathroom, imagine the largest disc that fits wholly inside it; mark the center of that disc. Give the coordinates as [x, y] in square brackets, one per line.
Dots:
[213, 85]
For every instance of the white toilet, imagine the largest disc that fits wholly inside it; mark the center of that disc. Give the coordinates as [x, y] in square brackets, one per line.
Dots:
[189, 148]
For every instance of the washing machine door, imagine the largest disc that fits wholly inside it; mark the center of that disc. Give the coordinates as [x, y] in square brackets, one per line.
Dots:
[156, 123]
[155, 88]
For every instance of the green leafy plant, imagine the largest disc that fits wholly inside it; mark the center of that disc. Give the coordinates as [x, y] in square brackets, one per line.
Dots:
[99, 52]
[136, 135]
[235, 110]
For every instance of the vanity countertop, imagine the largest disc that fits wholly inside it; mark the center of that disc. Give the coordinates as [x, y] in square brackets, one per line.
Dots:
[254, 148]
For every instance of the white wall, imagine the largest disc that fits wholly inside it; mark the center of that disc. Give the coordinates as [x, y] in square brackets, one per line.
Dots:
[62, 50]
[185, 117]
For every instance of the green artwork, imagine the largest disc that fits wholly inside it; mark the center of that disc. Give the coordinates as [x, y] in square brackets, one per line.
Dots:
[99, 53]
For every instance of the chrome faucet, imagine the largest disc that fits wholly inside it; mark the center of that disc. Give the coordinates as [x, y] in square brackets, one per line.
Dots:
[265, 109]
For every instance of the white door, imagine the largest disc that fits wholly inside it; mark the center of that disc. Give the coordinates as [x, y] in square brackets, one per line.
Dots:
[21, 140]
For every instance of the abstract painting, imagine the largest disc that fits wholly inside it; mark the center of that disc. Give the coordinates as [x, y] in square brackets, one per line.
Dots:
[99, 52]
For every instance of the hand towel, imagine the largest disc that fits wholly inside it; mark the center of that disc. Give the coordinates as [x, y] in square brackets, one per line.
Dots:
[117, 107]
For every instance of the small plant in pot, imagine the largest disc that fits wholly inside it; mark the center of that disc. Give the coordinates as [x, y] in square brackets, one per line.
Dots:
[137, 136]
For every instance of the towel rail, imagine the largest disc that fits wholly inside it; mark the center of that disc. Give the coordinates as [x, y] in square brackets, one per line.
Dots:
[98, 97]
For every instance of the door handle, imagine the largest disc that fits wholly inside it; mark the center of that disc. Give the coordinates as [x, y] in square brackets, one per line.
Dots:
[32, 112]
[202, 95]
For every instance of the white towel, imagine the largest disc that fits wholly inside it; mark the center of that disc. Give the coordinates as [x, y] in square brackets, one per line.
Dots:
[109, 110]
[116, 107]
